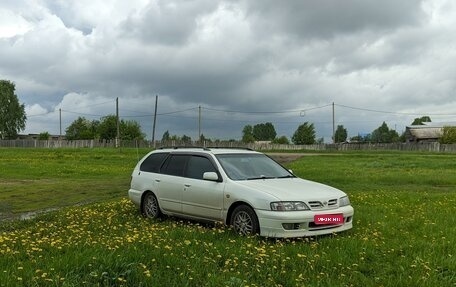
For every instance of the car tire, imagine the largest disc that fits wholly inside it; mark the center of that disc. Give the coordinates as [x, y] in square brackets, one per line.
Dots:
[150, 207]
[244, 221]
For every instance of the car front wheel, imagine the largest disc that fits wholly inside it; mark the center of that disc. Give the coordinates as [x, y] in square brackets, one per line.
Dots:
[150, 208]
[245, 221]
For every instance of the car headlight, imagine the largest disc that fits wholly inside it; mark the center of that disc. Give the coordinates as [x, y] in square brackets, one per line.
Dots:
[344, 201]
[289, 206]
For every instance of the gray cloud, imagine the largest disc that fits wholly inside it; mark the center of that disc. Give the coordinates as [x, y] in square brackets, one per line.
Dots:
[167, 22]
[331, 18]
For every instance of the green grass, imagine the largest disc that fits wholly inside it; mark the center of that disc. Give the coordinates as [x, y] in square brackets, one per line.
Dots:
[38, 179]
[403, 231]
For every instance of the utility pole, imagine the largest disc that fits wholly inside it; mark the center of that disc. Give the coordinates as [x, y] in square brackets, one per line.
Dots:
[117, 118]
[60, 120]
[199, 123]
[155, 120]
[334, 127]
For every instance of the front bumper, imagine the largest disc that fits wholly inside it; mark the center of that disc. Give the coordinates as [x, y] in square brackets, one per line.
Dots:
[302, 222]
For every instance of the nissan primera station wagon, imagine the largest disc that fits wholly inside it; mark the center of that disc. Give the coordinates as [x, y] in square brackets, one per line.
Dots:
[242, 188]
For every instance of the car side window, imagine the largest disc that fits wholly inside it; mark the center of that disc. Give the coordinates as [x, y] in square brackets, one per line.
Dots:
[175, 165]
[153, 162]
[197, 166]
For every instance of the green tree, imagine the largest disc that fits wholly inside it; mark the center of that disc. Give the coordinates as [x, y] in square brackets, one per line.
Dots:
[12, 114]
[340, 135]
[448, 136]
[131, 130]
[420, 121]
[204, 139]
[174, 138]
[186, 139]
[44, 136]
[165, 136]
[304, 134]
[107, 129]
[384, 135]
[247, 134]
[281, 140]
[264, 132]
[80, 129]
[403, 137]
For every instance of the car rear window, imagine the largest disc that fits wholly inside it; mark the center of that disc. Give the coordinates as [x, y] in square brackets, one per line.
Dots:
[153, 162]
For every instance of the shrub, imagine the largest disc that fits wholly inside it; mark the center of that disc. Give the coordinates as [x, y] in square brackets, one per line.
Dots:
[449, 135]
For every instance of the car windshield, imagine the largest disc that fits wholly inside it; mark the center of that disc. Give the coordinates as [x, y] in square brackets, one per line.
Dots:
[251, 166]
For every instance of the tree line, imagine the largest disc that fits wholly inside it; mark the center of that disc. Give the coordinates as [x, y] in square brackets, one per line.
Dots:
[305, 134]
[103, 129]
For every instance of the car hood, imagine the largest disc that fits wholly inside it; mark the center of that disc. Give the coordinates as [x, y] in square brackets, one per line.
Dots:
[293, 189]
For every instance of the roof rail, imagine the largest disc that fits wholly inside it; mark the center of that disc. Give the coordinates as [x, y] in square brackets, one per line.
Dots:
[205, 147]
[229, 147]
[183, 147]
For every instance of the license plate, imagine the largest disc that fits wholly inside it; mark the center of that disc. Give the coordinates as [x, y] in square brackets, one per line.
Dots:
[329, 219]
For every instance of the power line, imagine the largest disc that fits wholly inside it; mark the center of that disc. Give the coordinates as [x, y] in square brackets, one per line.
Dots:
[84, 114]
[158, 114]
[39, 115]
[265, 112]
[390, 112]
[94, 105]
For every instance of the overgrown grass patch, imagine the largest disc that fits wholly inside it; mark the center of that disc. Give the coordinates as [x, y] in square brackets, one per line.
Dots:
[39, 179]
[110, 244]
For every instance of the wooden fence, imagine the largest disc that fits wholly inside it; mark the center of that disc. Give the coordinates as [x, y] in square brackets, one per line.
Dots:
[425, 147]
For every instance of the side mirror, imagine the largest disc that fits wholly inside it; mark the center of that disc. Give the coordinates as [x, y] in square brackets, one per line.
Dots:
[212, 176]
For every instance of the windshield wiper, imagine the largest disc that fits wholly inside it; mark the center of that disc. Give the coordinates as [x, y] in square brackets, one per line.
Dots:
[260, 177]
[287, 176]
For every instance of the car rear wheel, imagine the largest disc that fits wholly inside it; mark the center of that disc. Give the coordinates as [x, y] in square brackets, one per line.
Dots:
[150, 208]
[245, 221]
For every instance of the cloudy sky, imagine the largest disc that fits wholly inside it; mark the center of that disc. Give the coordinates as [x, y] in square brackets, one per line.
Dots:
[242, 62]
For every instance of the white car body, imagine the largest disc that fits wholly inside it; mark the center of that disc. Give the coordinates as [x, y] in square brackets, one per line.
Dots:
[215, 195]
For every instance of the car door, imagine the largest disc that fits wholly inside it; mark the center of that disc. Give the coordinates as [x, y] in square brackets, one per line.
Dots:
[171, 183]
[202, 198]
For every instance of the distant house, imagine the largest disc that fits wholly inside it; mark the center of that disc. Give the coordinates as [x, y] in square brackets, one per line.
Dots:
[428, 132]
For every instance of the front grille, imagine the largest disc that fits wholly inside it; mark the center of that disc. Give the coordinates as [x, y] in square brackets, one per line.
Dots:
[316, 204]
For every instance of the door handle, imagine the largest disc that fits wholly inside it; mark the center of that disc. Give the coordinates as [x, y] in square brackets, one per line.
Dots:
[187, 185]
[157, 180]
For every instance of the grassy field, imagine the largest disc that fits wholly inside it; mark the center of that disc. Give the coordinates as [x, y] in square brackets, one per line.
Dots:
[403, 233]
[38, 179]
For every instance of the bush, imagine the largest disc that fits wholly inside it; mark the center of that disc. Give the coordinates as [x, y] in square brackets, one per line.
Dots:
[44, 136]
[449, 135]
[281, 140]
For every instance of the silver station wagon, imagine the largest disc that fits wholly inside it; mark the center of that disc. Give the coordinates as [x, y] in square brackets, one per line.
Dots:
[242, 188]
